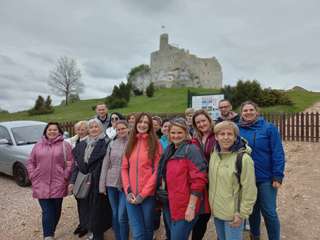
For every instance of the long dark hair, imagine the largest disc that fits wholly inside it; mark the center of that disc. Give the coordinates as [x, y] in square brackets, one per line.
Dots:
[48, 125]
[152, 137]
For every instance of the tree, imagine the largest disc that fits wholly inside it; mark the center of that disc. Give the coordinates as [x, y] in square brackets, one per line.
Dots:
[41, 106]
[47, 105]
[150, 90]
[65, 78]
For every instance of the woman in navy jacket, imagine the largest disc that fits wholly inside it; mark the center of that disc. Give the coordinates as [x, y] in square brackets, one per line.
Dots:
[269, 160]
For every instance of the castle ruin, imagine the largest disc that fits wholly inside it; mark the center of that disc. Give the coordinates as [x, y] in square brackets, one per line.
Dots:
[175, 67]
[171, 66]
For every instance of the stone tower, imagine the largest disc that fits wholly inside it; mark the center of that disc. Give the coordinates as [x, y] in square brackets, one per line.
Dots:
[175, 67]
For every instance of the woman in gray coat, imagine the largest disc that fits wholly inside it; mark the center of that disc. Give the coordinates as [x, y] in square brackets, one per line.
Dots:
[110, 180]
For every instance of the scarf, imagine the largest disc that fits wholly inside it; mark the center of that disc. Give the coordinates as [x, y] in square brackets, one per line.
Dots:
[244, 123]
[91, 143]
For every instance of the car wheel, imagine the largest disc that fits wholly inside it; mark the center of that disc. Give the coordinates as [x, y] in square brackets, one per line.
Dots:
[20, 175]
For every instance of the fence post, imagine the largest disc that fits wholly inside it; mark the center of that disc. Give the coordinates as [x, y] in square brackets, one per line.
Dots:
[317, 127]
[312, 127]
[302, 126]
[307, 127]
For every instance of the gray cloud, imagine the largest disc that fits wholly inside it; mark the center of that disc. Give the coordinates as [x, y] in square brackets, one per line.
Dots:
[275, 43]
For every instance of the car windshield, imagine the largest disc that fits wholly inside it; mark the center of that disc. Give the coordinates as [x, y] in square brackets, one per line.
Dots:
[28, 134]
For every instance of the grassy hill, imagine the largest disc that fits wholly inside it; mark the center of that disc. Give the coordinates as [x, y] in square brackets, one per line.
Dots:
[164, 100]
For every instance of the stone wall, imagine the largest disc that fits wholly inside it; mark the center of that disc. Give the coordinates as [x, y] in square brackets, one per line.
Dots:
[174, 67]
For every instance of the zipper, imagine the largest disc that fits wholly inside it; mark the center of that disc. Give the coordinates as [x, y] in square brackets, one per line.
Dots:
[137, 166]
[216, 180]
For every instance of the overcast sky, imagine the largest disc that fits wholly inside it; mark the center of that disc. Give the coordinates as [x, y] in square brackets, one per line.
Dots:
[275, 42]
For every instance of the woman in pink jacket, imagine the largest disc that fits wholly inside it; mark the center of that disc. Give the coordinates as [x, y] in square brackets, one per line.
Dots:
[49, 168]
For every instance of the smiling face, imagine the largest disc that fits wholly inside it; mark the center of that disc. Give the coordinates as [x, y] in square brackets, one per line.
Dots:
[177, 135]
[82, 131]
[226, 138]
[131, 121]
[94, 130]
[165, 128]
[122, 130]
[114, 119]
[249, 113]
[143, 124]
[225, 108]
[52, 131]
[202, 123]
[156, 125]
[102, 111]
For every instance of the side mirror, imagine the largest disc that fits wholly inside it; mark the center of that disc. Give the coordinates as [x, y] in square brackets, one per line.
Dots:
[4, 141]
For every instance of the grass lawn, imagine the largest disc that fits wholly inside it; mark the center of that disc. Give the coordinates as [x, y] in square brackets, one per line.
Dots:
[164, 101]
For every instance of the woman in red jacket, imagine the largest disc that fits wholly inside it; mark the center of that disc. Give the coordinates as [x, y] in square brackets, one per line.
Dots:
[205, 139]
[182, 174]
[139, 170]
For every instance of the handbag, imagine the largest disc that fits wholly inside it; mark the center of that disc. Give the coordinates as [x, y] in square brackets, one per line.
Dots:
[82, 185]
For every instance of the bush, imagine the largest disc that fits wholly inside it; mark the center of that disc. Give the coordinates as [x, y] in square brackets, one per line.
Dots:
[251, 90]
[113, 103]
[41, 106]
[137, 92]
[150, 90]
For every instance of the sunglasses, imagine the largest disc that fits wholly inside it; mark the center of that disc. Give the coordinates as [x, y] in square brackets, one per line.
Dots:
[114, 119]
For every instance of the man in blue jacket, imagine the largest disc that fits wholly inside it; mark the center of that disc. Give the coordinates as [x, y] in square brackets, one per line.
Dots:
[269, 160]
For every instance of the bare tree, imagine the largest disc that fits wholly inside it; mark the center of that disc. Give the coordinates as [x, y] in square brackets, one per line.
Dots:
[65, 78]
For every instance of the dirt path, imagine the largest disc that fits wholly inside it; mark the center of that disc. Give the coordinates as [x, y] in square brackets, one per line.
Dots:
[314, 108]
[299, 203]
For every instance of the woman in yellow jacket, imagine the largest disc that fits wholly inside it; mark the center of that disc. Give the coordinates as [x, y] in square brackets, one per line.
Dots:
[232, 188]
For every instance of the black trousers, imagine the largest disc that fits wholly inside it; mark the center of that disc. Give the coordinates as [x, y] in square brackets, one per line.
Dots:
[82, 206]
[200, 227]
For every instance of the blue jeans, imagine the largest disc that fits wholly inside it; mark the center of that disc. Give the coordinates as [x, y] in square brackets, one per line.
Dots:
[178, 229]
[120, 223]
[266, 204]
[51, 212]
[141, 219]
[226, 232]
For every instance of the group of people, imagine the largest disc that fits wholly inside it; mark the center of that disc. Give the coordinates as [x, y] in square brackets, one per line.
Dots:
[189, 169]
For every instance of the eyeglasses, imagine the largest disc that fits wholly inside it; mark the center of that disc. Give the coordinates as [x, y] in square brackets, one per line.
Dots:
[222, 107]
[114, 119]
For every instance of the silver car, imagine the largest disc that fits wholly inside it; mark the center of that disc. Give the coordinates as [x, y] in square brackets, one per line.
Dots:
[17, 139]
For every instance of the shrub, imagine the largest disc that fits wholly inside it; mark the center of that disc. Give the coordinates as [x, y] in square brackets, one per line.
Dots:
[41, 106]
[150, 90]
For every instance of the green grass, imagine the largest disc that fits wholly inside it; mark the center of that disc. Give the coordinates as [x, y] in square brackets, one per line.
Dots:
[164, 101]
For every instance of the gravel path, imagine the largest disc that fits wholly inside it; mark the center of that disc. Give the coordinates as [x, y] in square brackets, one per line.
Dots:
[299, 203]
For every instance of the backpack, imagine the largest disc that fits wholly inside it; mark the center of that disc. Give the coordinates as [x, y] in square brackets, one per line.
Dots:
[239, 166]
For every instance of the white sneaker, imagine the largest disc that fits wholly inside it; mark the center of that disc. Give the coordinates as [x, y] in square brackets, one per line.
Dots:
[48, 238]
[90, 236]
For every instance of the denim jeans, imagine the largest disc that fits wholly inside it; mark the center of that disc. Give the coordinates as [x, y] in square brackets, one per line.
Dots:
[266, 204]
[120, 223]
[167, 220]
[51, 212]
[141, 219]
[226, 232]
[178, 229]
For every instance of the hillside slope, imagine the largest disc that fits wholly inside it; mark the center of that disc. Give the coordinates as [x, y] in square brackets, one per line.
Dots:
[164, 101]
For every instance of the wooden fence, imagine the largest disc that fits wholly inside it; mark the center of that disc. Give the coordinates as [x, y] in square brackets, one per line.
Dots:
[292, 126]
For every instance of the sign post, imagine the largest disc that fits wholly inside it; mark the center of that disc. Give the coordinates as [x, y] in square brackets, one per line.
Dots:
[205, 101]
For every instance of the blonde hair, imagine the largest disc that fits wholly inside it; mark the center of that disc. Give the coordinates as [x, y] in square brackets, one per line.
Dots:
[189, 111]
[226, 125]
[81, 123]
